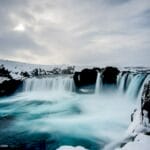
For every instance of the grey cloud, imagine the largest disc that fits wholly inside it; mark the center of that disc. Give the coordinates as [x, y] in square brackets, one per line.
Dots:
[144, 18]
[116, 2]
[15, 41]
[75, 31]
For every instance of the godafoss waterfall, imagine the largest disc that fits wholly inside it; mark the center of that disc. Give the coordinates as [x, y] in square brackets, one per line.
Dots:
[88, 109]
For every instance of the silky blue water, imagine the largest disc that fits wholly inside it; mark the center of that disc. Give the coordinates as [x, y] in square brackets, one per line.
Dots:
[48, 113]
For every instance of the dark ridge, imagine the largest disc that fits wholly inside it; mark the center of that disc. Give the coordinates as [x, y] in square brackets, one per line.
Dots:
[9, 87]
[4, 72]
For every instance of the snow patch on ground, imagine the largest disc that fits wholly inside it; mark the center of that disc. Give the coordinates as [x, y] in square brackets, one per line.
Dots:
[141, 142]
[71, 148]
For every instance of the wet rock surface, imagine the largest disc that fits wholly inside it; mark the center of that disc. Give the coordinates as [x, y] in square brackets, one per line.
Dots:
[146, 100]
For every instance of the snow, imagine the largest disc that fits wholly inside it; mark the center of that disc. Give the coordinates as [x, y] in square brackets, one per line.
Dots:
[141, 142]
[22, 67]
[18, 67]
[2, 79]
[138, 129]
[136, 124]
[71, 148]
[15, 76]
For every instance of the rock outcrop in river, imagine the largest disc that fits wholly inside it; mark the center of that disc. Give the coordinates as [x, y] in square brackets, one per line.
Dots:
[88, 76]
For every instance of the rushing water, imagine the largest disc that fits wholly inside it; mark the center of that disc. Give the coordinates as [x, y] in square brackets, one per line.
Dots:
[48, 113]
[98, 84]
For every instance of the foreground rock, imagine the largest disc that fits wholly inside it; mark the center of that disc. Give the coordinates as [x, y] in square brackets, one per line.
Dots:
[146, 101]
[138, 135]
[141, 142]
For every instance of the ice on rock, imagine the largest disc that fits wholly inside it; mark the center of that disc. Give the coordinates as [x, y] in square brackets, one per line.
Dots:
[141, 142]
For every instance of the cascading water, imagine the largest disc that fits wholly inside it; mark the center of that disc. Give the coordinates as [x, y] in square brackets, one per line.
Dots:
[98, 83]
[41, 113]
[135, 85]
[147, 78]
[121, 84]
[130, 83]
[49, 84]
[129, 78]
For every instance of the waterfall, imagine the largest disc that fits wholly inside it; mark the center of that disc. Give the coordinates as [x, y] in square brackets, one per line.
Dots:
[49, 84]
[129, 78]
[135, 85]
[122, 81]
[119, 79]
[98, 83]
[130, 84]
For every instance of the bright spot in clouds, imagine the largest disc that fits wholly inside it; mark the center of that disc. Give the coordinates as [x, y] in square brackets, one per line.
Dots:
[20, 27]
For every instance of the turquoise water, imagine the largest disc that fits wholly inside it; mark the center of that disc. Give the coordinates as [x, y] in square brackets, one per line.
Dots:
[48, 120]
[49, 113]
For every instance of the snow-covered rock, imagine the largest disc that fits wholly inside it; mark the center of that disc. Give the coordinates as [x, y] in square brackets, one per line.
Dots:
[19, 68]
[2, 79]
[138, 133]
[141, 142]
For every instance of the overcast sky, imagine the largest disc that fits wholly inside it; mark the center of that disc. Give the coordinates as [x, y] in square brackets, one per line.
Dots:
[96, 32]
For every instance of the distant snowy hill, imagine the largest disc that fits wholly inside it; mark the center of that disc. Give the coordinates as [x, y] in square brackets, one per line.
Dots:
[20, 66]
[20, 69]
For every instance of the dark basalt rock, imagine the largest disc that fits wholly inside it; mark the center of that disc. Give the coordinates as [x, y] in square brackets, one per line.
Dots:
[109, 75]
[4, 72]
[25, 74]
[68, 70]
[85, 77]
[9, 87]
[146, 99]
